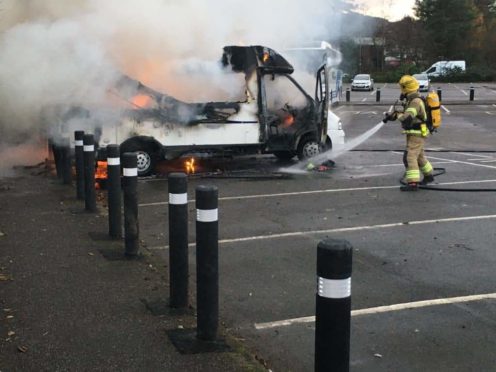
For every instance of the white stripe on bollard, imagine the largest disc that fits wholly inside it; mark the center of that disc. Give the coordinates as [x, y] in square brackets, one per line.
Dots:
[178, 199]
[88, 148]
[113, 161]
[130, 172]
[78, 143]
[334, 288]
[207, 215]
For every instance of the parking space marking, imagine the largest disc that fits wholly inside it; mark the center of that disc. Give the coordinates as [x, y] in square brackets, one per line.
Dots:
[384, 309]
[470, 154]
[490, 113]
[356, 228]
[445, 109]
[364, 99]
[310, 192]
[461, 90]
[342, 229]
[463, 162]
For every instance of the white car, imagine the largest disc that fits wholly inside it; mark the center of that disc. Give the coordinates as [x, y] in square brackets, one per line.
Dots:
[424, 82]
[362, 82]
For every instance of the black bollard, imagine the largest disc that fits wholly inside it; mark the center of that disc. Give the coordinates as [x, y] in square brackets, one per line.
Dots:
[78, 153]
[130, 188]
[178, 240]
[348, 94]
[207, 262]
[114, 191]
[439, 93]
[89, 172]
[378, 95]
[66, 161]
[333, 306]
[472, 93]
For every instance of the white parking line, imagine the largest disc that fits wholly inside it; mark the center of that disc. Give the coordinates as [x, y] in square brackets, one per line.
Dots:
[463, 162]
[461, 90]
[311, 192]
[384, 309]
[364, 99]
[490, 113]
[342, 229]
[471, 154]
[445, 109]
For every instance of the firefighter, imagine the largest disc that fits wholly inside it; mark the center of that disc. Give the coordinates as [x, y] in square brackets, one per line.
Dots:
[412, 121]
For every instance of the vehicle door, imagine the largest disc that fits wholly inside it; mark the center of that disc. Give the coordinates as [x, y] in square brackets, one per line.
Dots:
[322, 99]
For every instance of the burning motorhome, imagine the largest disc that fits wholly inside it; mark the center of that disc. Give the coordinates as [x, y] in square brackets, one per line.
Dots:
[277, 115]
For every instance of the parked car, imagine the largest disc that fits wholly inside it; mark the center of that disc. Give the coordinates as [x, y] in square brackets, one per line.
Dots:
[362, 82]
[424, 82]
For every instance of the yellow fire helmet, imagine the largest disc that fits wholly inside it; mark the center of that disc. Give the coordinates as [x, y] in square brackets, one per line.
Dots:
[408, 84]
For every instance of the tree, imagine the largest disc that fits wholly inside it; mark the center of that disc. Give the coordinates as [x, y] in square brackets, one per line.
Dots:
[449, 25]
[405, 40]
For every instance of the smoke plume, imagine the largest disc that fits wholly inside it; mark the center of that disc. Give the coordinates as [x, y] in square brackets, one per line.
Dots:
[56, 55]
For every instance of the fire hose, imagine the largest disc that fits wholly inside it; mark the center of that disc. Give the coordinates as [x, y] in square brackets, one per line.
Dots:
[436, 188]
[440, 171]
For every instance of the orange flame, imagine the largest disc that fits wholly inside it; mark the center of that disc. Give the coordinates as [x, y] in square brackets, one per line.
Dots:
[141, 100]
[288, 121]
[100, 173]
[190, 166]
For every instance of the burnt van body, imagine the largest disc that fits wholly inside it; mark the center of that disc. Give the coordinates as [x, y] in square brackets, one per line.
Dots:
[278, 116]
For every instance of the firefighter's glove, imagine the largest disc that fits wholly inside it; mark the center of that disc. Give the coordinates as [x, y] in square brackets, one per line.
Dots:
[390, 116]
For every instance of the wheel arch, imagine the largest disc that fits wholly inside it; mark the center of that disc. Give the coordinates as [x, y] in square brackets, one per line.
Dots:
[143, 142]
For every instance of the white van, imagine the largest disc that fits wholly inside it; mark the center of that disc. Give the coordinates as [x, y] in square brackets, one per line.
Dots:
[278, 116]
[442, 67]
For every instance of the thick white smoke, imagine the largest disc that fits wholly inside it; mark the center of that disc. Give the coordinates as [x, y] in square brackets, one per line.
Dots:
[62, 54]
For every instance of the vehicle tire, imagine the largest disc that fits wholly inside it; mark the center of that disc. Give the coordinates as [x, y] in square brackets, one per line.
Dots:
[146, 157]
[308, 148]
[284, 155]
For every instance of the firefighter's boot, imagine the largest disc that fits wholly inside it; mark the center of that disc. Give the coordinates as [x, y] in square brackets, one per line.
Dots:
[411, 186]
[427, 179]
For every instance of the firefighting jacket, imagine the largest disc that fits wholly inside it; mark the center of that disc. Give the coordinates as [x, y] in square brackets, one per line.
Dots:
[413, 116]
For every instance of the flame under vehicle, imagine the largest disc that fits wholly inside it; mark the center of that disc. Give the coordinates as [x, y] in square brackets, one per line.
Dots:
[278, 116]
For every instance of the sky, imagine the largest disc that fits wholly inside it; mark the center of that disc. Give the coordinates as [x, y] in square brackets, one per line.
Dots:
[393, 10]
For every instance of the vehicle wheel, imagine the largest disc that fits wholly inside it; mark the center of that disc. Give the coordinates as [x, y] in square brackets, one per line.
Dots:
[146, 158]
[284, 155]
[308, 148]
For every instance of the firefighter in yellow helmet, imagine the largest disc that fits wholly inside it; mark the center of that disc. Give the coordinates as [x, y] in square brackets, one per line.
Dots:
[413, 120]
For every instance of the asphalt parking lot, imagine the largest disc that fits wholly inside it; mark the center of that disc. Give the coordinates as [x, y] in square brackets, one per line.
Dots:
[429, 253]
[423, 296]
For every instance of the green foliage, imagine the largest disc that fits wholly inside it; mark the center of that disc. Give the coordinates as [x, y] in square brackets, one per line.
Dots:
[447, 23]
[394, 75]
[472, 74]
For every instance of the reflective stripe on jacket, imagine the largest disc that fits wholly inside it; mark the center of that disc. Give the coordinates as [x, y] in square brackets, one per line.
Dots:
[414, 115]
